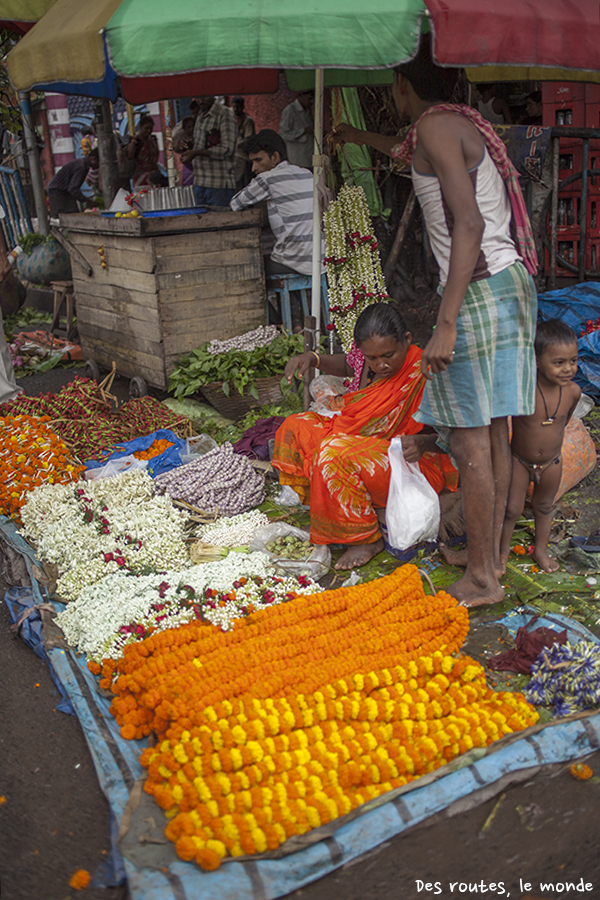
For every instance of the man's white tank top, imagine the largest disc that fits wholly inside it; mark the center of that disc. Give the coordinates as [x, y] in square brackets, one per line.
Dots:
[498, 250]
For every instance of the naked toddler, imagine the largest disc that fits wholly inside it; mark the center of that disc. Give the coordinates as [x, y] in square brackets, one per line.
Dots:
[537, 439]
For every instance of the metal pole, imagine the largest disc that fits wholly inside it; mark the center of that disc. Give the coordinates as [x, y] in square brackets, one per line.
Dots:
[33, 158]
[583, 208]
[309, 333]
[130, 119]
[554, 211]
[318, 174]
[107, 152]
[170, 160]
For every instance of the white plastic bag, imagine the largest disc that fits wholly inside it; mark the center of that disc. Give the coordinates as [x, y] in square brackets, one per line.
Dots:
[195, 447]
[287, 496]
[315, 566]
[115, 467]
[413, 507]
[325, 389]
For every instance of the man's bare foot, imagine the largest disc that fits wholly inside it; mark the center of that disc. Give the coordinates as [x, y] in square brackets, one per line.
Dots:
[471, 593]
[461, 558]
[544, 561]
[454, 557]
[359, 555]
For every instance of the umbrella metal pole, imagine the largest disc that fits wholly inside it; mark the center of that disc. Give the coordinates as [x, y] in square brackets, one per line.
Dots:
[170, 160]
[317, 174]
[33, 159]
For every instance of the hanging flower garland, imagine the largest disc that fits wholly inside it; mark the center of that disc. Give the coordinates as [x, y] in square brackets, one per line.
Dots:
[354, 275]
[95, 528]
[303, 713]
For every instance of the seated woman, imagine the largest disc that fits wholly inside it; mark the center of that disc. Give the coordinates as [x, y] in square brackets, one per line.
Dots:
[342, 462]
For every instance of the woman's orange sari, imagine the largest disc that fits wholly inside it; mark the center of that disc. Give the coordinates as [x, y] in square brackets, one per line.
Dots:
[343, 461]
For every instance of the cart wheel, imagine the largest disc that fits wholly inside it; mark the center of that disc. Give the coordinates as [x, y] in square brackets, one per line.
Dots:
[137, 387]
[91, 370]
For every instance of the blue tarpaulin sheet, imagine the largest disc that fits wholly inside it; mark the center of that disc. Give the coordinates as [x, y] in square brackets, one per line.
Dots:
[118, 767]
[166, 461]
[576, 305]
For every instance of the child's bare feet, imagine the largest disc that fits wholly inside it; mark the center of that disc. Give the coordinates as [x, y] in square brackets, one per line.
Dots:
[544, 561]
[359, 555]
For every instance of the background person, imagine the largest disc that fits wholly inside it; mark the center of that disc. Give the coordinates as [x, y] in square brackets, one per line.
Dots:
[297, 130]
[64, 190]
[533, 109]
[245, 124]
[213, 153]
[288, 191]
[183, 140]
[491, 106]
[143, 153]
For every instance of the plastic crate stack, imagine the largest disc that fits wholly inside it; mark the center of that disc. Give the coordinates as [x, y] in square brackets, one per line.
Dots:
[575, 104]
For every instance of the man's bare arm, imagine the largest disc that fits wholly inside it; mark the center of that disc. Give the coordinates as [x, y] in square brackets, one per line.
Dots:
[348, 134]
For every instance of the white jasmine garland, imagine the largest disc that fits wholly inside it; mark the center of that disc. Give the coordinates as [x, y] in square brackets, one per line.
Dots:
[234, 531]
[249, 341]
[354, 275]
[91, 529]
[122, 608]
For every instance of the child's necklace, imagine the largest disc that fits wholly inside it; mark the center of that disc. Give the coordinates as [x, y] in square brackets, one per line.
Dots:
[549, 420]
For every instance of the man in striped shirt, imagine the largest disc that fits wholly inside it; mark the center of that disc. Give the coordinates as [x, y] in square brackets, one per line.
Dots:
[288, 191]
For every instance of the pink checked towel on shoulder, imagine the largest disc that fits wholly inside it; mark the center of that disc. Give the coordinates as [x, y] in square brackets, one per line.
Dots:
[497, 150]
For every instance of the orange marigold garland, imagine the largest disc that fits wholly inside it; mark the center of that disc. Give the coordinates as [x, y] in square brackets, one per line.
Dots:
[31, 454]
[303, 712]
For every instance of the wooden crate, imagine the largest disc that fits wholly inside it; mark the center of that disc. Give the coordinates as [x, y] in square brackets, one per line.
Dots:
[170, 284]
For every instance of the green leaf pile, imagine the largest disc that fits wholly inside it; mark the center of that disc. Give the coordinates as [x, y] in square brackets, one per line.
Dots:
[235, 370]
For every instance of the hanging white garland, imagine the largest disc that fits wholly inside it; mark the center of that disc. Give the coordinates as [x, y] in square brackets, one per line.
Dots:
[354, 275]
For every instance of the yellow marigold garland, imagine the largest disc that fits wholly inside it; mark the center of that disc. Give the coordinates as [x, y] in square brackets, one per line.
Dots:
[303, 712]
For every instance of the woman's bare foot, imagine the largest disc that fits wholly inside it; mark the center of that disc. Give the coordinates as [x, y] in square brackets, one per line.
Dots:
[544, 561]
[359, 555]
[470, 593]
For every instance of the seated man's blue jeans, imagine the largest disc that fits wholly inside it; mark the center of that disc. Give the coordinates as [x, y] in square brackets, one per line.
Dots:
[206, 196]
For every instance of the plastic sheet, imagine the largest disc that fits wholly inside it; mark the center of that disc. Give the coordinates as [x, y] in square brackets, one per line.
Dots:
[576, 305]
[19, 600]
[167, 460]
[468, 781]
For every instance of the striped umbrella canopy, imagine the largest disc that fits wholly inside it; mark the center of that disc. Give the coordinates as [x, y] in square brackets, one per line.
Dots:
[21, 15]
[160, 50]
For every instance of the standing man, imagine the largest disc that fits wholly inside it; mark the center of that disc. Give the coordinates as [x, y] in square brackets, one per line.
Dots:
[245, 124]
[215, 140]
[296, 128]
[64, 190]
[480, 361]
